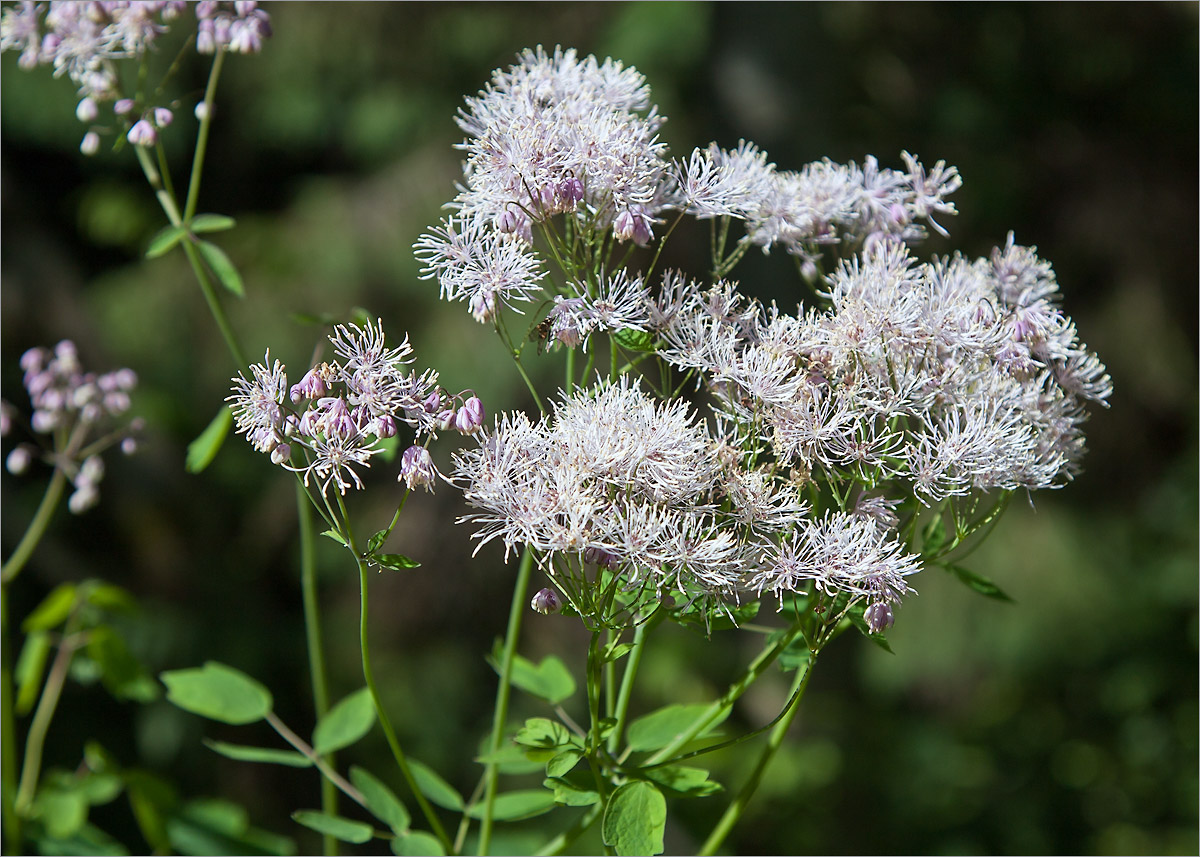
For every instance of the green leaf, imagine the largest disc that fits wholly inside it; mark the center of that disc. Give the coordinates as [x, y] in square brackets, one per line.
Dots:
[123, 674]
[542, 733]
[212, 223]
[394, 561]
[336, 826]
[31, 664]
[219, 693]
[509, 757]
[109, 596]
[979, 583]
[434, 787]
[659, 728]
[345, 723]
[163, 240]
[855, 615]
[219, 827]
[381, 800]
[203, 450]
[53, 611]
[514, 806]
[87, 840]
[568, 793]
[376, 541]
[62, 813]
[615, 652]
[689, 782]
[563, 762]
[99, 789]
[795, 655]
[222, 267]
[335, 535]
[635, 340]
[417, 843]
[550, 679]
[634, 819]
[242, 753]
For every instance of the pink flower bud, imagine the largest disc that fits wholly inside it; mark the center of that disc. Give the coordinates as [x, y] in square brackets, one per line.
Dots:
[18, 460]
[470, 416]
[879, 617]
[142, 134]
[546, 601]
[163, 117]
[90, 144]
[483, 306]
[570, 193]
[87, 111]
[122, 106]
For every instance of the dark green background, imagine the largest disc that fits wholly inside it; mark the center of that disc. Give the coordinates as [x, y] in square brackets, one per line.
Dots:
[1066, 723]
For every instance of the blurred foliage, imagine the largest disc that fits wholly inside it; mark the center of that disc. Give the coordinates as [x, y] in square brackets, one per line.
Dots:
[1066, 723]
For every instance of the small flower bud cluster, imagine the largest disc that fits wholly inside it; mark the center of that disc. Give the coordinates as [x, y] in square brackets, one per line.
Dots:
[86, 40]
[77, 410]
[332, 421]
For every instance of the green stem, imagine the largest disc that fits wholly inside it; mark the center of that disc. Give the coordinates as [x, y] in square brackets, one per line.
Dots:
[316, 656]
[735, 809]
[389, 732]
[8, 738]
[306, 750]
[631, 669]
[500, 716]
[757, 667]
[35, 741]
[36, 528]
[210, 92]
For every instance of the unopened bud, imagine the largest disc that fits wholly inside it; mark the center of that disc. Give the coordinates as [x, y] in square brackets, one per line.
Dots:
[87, 111]
[163, 117]
[18, 460]
[879, 617]
[546, 601]
[470, 416]
[142, 134]
[122, 106]
[90, 144]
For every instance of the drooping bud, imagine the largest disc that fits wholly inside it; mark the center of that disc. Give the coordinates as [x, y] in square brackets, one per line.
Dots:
[598, 556]
[90, 144]
[546, 601]
[483, 306]
[87, 111]
[570, 192]
[879, 617]
[281, 454]
[142, 134]
[163, 117]
[470, 416]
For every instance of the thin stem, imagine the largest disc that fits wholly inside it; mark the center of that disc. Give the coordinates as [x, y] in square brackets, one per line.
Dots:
[631, 668]
[35, 741]
[334, 778]
[735, 809]
[500, 716]
[36, 528]
[210, 92]
[316, 651]
[757, 667]
[8, 738]
[384, 721]
[560, 842]
[214, 303]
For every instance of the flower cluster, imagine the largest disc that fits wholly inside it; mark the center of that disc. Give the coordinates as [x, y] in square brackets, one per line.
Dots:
[79, 411]
[619, 479]
[335, 418]
[86, 40]
[902, 384]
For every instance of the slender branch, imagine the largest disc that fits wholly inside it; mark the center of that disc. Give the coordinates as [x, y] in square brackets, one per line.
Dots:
[36, 528]
[193, 195]
[309, 753]
[316, 651]
[735, 809]
[500, 716]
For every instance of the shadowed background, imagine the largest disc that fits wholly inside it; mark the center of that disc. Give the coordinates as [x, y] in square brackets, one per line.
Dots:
[1066, 723]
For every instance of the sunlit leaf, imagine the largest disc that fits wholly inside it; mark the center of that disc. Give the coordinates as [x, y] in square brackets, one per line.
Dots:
[336, 826]
[381, 800]
[219, 693]
[202, 450]
[268, 755]
[345, 723]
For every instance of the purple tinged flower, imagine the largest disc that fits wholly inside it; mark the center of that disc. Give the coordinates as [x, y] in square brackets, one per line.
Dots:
[510, 221]
[385, 426]
[311, 386]
[546, 602]
[570, 192]
[416, 468]
[90, 144]
[87, 111]
[483, 306]
[432, 403]
[281, 454]
[879, 617]
[635, 225]
[122, 106]
[129, 446]
[83, 498]
[142, 134]
[163, 117]
[470, 416]
[445, 419]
